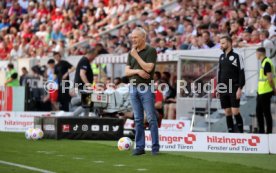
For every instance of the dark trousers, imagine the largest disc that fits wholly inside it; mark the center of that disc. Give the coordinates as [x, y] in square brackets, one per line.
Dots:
[64, 99]
[263, 111]
[64, 102]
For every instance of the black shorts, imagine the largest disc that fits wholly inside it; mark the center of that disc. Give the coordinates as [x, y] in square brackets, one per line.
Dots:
[229, 100]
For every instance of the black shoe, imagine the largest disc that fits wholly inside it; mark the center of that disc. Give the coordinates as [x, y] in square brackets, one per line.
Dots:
[138, 152]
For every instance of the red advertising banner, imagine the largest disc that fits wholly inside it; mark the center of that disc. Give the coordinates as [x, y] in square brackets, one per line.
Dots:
[6, 98]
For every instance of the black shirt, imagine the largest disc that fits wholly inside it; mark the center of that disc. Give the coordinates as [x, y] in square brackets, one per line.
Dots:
[61, 68]
[231, 67]
[22, 79]
[210, 44]
[267, 67]
[83, 64]
[149, 55]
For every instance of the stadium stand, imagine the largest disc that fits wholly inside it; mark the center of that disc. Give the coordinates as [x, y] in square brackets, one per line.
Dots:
[33, 28]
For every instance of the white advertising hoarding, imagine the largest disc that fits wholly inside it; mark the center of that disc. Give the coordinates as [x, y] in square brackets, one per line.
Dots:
[166, 125]
[18, 121]
[210, 142]
[272, 143]
[175, 125]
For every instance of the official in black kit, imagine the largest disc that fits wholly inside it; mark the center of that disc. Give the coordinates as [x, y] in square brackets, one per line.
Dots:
[84, 73]
[83, 81]
[231, 74]
[62, 72]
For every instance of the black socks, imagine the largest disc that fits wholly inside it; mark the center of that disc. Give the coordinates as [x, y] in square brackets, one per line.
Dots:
[230, 124]
[239, 122]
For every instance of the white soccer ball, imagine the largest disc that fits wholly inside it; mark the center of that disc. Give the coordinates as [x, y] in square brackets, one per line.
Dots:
[28, 133]
[124, 143]
[37, 134]
[40, 133]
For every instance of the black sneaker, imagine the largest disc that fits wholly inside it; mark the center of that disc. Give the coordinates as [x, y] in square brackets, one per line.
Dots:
[138, 152]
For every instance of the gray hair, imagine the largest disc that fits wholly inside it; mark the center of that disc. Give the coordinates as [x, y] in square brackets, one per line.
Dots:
[141, 30]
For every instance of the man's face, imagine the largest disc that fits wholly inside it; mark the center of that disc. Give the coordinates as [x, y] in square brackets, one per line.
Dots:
[51, 65]
[143, 17]
[137, 39]
[258, 55]
[262, 37]
[255, 35]
[116, 82]
[162, 43]
[246, 36]
[24, 71]
[217, 16]
[263, 23]
[57, 57]
[205, 37]
[224, 44]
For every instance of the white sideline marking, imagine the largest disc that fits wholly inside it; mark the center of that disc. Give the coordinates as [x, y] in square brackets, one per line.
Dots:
[78, 158]
[142, 169]
[25, 167]
[119, 165]
[46, 152]
[98, 161]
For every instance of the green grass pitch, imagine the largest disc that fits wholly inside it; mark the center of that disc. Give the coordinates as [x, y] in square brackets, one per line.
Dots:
[86, 156]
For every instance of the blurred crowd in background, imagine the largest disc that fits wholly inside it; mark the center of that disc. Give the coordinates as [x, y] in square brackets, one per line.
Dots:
[32, 28]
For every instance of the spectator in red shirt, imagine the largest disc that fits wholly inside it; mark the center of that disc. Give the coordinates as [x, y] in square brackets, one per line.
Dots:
[26, 23]
[36, 42]
[66, 26]
[245, 39]
[8, 41]
[28, 33]
[57, 16]
[255, 37]
[4, 51]
[237, 27]
[43, 11]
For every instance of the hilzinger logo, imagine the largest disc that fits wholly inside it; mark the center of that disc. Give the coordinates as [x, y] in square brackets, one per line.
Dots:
[190, 139]
[253, 141]
[180, 125]
[173, 126]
